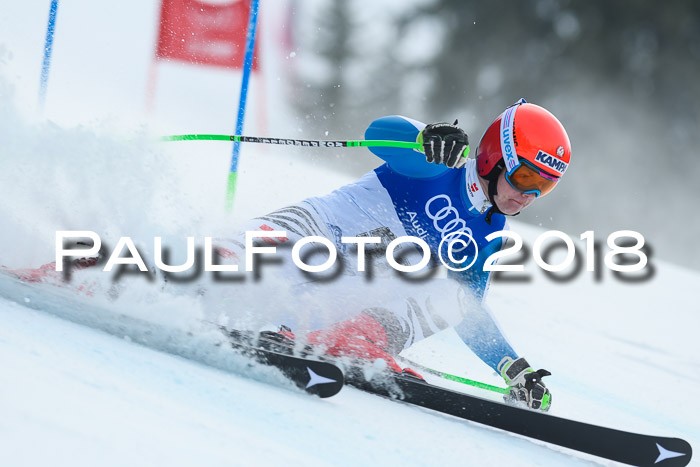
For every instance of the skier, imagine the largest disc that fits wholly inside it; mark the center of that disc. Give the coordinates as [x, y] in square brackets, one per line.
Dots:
[436, 195]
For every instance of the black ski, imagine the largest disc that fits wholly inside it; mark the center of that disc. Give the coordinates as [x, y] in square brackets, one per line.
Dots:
[616, 445]
[320, 378]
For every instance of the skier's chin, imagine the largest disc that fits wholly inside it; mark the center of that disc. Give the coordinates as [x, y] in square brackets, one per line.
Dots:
[511, 207]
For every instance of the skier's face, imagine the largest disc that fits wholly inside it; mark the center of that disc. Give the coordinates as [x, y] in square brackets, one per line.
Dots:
[510, 200]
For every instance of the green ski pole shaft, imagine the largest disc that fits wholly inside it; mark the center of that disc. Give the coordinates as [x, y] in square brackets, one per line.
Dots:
[458, 379]
[294, 142]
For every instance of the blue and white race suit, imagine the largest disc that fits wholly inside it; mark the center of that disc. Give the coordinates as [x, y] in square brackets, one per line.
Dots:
[404, 196]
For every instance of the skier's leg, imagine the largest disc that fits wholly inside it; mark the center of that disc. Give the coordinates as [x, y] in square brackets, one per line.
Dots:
[407, 311]
[382, 319]
[271, 293]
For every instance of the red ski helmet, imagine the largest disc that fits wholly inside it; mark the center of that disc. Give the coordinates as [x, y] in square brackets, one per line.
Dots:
[525, 135]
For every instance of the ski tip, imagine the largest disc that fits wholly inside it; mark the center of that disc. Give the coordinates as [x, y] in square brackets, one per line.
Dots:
[325, 379]
[673, 452]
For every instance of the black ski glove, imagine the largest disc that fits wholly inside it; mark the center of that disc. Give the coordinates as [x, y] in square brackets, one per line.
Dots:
[525, 384]
[445, 144]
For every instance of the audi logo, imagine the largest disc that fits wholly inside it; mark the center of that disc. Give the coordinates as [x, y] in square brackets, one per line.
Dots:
[446, 218]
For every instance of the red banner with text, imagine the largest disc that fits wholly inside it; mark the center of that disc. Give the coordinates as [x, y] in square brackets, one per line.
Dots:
[204, 33]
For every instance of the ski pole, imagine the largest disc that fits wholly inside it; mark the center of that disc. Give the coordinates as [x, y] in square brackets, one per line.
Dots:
[458, 379]
[295, 142]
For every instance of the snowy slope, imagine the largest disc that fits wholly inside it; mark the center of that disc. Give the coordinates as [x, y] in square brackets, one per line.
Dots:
[87, 398]
[94, 397]
[622, 355]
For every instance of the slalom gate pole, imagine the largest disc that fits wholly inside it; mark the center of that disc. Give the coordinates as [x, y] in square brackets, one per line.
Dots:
[48, 47]
[295, 142]
[247, 65]
[457, 379]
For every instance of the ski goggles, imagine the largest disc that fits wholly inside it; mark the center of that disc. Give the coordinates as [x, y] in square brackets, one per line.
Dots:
[526, 178]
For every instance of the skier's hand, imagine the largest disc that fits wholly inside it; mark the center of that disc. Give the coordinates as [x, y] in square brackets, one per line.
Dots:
[445, 144]
[525, 384]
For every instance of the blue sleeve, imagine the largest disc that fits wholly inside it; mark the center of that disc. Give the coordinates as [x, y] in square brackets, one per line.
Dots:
[484, 337]
[479, 330]
[408, 162]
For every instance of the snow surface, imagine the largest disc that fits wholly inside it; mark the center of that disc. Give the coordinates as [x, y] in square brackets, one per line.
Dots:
[94, 399]
[85, 391]
[87, 397]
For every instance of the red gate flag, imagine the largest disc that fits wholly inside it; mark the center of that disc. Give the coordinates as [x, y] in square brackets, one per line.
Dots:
[204, 33]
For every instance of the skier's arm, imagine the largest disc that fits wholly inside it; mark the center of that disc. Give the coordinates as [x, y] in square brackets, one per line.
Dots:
[479, 329]
[484, 337]
[408, 162]
[482, 334]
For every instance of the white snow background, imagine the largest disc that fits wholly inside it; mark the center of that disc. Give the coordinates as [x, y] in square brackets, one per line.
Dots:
[622, 355]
